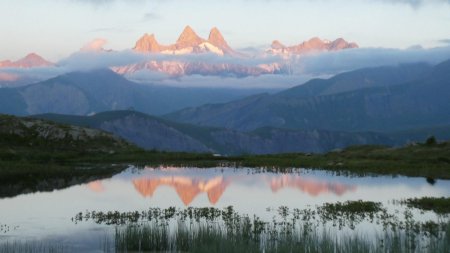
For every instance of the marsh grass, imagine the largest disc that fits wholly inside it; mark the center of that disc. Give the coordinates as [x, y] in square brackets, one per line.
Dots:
[437, 205]
[215, 238]
[328, 228]
[32, 247]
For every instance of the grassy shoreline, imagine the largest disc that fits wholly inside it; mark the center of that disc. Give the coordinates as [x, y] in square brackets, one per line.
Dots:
[420, 160]
[37, 169]
[37, 155]
[415, 161]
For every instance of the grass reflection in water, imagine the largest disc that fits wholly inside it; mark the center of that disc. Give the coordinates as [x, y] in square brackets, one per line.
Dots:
[326, 228]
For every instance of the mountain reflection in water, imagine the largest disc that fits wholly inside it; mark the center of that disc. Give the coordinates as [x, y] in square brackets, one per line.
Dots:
[187, 188]
[189, 185]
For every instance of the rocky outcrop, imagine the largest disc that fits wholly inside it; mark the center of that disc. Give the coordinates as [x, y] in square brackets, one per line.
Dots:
[148, 44]
[188, 43]
[35, 129]
[188, 38]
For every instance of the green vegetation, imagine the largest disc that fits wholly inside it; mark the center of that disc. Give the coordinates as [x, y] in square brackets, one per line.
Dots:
[431, 141]
[356, 207]
[37, 155]
[422, 160]
[324, 229]
[31, 247]
[437, 205]
[212, 238]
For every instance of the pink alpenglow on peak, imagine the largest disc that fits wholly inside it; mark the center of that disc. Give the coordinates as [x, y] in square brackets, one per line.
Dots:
[148, 44]
[32, 60]
[188, 38]
[313, 45]
[188, 43]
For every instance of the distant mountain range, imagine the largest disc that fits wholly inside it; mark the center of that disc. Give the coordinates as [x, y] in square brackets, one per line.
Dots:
[390, 105]
[374, 99]
[312, 45]
[189, 44]
[82, 93]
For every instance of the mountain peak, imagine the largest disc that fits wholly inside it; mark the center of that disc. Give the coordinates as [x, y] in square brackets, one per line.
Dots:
[315, 42]
[31, 60]
[277, 45]
[33, 56]
[340, 43]
[216, 38]
[189, 38]
[188, 30]
[147, 43]
[311, 45]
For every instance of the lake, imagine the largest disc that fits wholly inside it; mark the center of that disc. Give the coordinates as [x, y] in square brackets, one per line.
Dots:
[48, 216]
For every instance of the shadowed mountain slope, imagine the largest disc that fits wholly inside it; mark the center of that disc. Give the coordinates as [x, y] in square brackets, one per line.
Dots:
[82, 93]
[374, 99]
[155, 133]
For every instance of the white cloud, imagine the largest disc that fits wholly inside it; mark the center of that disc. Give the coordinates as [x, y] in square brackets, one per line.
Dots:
[345, 60]
[251, 82]
[24, 76]
[95, 45]
[304, 67]
[88, 60]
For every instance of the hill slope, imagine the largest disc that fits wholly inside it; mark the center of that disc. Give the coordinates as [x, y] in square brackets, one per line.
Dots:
[36, 132]
[380, 99]
[82, 93]
[154, 133]
[145, 131]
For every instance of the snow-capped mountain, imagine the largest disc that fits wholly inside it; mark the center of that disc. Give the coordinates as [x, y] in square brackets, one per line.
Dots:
[193, 55]
[190, 43]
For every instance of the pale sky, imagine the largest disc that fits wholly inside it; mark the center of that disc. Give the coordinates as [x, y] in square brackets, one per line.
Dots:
[57, 28]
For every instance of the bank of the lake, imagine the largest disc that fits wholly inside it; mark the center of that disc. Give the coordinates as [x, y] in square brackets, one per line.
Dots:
[38, 155]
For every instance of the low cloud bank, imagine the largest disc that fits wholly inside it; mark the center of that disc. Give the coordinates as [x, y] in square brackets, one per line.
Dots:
[304, 67]
[250, 82]
[331, 63]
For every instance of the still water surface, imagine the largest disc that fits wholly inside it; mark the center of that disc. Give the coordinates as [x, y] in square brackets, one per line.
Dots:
[47, 215]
